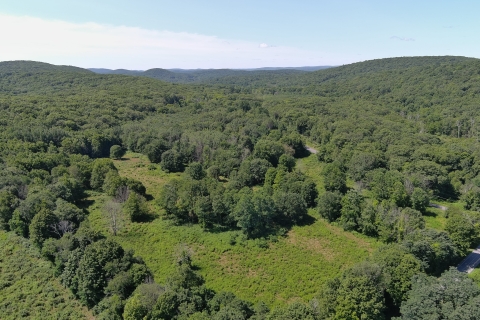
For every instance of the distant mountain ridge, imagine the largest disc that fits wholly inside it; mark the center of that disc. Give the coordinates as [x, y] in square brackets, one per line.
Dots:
[206, 75]
[180, 70]
[294, 77]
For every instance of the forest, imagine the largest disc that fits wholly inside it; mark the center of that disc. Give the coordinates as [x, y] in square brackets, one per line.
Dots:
[136, 196]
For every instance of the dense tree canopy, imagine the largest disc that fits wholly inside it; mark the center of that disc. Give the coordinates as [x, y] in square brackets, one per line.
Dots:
[392, 135]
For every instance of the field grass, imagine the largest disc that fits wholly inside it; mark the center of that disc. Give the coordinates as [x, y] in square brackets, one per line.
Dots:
[313, 169]
[475, 276]
[292, 268]
[28, 288]
[435, 219]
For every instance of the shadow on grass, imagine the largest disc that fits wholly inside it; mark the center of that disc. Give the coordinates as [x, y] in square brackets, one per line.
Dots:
[218, 229]
[147, 218]
[306, 221]
[303, 154]
[430, 213]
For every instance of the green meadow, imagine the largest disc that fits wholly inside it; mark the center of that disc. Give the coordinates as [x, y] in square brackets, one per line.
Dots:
[277, 271]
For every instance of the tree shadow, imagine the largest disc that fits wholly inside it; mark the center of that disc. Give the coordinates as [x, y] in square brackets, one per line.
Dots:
[85, 203]
[306, 221]
[218, 229]
[147, 218]
[303, 154]
[430, 213]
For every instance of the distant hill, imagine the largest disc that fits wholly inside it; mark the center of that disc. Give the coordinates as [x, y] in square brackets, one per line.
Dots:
[35, 67]
[117, 71]
[380, 65]
[295, 82]
[313, 68]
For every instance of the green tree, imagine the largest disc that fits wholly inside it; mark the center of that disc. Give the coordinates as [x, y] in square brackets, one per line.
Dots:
[472, 199]
[361, 163]
[225, 305]
[8, 203]
[287, 161]
[99, 171]
[399, 195]
[309, 193]
[420, 199]
[329, 205]
[112, 182]
[195, 171]
[268, 150]
[295, 141]
[253, 212]
[291, 206]
[462, 231]
[111, 308]
[451, 296]
[117, 152]
[356, 294]
[18, 225]
[171, 161]
[122, 285]
[214, 172]
[40, 228]
[352, 205]
[398, 268]
[65, 211]
[93, 272]
[155, 150]
[434, 249]
[134, 308]
[334, 179]
[258, 169]
[136, 207]
[368, 220]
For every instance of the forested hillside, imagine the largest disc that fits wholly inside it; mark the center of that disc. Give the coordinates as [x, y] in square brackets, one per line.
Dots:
[155, 199]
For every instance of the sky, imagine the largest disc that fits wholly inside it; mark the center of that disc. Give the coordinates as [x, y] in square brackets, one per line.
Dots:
[144, 34]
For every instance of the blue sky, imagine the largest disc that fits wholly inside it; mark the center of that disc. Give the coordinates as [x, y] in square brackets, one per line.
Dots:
[144, 34]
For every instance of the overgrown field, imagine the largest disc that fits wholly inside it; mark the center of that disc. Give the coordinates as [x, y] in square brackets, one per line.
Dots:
[276, 272]
[28, 288]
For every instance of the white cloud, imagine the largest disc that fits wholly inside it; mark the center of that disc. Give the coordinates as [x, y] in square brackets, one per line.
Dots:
[107, 46]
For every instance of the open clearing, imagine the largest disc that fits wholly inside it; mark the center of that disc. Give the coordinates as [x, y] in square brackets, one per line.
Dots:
[292, 268]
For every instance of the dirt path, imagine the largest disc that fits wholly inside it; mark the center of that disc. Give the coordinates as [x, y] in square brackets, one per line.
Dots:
[434, 205]
[312, 150]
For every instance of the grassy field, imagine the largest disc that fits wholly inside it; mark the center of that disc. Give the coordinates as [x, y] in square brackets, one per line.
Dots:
[475, 276]
[292, 268]
[435, 219]
[28, 288]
